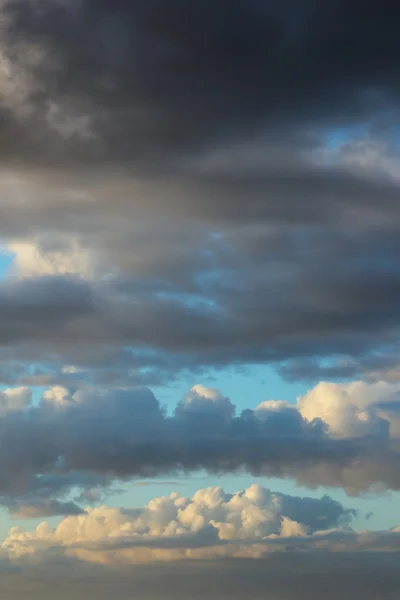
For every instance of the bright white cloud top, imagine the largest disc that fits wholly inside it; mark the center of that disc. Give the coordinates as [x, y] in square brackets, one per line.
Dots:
[174, 527]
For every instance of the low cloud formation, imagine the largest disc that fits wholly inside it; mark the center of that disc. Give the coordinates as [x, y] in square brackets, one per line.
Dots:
[214, 544]
[211, 525]
[73, 446]
[174, 527]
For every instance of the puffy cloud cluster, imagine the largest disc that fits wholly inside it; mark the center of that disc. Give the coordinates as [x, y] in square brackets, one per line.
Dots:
[201, 400]
[73, 445]
[211, 518]
[252, 524]
[15, 399]
[354, 409]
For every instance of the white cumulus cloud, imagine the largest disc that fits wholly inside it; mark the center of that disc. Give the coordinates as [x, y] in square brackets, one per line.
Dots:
[171, 524]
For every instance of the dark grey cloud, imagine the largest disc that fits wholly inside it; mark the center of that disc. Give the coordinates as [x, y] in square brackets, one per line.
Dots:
[164, 87]
[294, 298]
[54, 494]
[29, 307]
[51, 508]
[185, 153]
[73, 441]
[156, 77]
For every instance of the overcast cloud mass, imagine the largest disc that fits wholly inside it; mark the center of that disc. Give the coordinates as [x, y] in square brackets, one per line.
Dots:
[192, 190]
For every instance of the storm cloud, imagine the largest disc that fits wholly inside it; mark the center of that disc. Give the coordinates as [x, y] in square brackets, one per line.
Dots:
[160, 76]
[174, 198]
[75, 447]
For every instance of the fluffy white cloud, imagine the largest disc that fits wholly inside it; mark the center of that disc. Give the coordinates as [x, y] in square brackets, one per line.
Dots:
[57, 395]
[353, 409]
[15, 399]
[172, 525]
[212, 524]
[348, 410]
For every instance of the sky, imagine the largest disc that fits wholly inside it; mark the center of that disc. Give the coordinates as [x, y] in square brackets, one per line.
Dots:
[199, 299]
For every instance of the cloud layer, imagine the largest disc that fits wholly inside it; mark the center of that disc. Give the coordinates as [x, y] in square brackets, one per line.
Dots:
[121, 82]
[186, 187]
[194, 189]
[253, 541]
[73, 446]
[175, 527]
